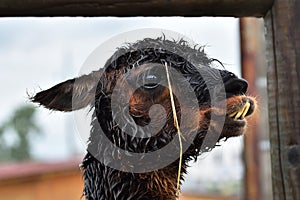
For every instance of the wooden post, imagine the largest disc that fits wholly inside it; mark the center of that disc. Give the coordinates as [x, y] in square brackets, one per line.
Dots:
[283, 47]
[250, 42]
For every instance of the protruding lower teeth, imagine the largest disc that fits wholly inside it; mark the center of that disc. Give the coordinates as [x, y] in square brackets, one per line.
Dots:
[241, 113]
[232, 114]
[246, 109]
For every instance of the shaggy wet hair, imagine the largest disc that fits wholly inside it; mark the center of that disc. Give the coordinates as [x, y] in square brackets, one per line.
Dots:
[147, 58]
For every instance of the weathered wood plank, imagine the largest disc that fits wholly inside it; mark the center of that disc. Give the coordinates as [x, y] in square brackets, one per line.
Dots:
[283, 44]
[235, 8]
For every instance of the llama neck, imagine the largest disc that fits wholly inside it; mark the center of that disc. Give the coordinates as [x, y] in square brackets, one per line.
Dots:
[105, 183]
[102, 182]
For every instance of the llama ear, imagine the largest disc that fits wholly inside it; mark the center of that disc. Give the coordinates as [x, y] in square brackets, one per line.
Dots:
[72, 94]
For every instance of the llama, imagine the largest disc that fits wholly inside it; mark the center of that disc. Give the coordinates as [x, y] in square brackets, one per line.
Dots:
[147, 57]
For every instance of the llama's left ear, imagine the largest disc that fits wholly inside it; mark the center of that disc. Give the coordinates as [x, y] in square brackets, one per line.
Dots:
[72, 94]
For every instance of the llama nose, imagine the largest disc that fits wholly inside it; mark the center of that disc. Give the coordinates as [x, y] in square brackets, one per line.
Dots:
[236, 86]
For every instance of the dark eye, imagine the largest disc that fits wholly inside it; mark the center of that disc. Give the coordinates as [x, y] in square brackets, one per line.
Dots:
[150, 81]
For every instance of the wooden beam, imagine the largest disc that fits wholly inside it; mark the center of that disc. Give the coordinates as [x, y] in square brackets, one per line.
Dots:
[283, 45]
[235, 8]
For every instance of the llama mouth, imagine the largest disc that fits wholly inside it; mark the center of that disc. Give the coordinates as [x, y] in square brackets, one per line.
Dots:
[242, 111]
[239, 108]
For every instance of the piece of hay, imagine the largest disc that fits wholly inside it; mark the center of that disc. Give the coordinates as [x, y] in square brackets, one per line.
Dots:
[176, 124]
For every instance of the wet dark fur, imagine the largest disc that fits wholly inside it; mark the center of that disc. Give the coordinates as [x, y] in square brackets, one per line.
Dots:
[102, 182]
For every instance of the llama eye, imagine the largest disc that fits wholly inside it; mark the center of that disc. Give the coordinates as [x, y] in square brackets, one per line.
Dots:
[150, 81]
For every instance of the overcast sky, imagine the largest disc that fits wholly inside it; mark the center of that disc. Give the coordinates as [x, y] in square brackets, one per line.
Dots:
[38, 53]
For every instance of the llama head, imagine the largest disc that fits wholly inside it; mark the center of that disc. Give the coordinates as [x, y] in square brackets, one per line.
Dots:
[132, 105]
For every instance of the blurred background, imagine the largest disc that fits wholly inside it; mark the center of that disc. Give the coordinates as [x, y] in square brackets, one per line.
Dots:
[40, 150]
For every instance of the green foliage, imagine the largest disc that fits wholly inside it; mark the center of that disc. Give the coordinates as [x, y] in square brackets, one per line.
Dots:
[15, 134]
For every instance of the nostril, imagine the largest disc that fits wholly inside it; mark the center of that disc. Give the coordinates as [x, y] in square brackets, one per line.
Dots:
[236, 86]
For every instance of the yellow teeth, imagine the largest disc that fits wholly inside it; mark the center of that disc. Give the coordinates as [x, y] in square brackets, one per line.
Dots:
[246, 109]
[232, 114]
[241, 113]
